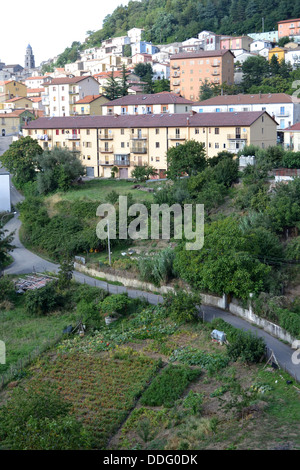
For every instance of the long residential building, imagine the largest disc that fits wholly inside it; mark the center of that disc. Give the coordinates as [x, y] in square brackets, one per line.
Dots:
[191, 70]
[156, 103]
[106, 141]
[282, 107]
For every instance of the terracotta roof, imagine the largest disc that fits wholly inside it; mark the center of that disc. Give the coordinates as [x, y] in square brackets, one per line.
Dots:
[289, 21]
[15, 113]
[156, 98]
[149, 120]
[16, 98]
[35, 90]
[35, 99]
[199, 54]
[263, 98]
[35, 78]
[67, 80]
[88, 99]
[295, 127]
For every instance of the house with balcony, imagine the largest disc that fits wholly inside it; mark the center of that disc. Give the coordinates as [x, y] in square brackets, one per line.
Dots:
[190, 70]
[61, 94]
[289, 28]
[280, 106]
[102, 142]
[156, 103]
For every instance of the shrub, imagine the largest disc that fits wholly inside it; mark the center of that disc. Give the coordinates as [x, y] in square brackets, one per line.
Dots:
[182, 307]
[43, 301]
[290, 321]
[7, 288]
[167, 387]
[159, 268]
[247, 347]
[116, 304]
[89, 313]
[38, 419]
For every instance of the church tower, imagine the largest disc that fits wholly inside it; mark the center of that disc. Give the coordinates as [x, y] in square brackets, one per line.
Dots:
[29, 58]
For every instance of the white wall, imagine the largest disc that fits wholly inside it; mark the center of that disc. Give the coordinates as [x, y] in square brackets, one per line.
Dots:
[5, 205]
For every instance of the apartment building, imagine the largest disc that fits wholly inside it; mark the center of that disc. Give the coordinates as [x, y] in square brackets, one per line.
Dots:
[190, 70]
[106, 141]
[289, 28]
[10, 89]
[11, 122]
[282, 107]
[61, 94]
[292, 138]
[156, 103]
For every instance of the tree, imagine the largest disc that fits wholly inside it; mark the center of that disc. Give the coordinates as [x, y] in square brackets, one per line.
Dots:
[283, 41]
[113, 89]
[143, 173]
[208, 90]
[225, 264]
[65, 273]
[58, 169]
[188, 158]
[124, 81]
[161, 85]
[21, 159]
[5, 247]
[254, 69]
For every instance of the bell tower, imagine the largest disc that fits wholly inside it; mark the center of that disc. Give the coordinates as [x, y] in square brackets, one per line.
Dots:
[29, 58]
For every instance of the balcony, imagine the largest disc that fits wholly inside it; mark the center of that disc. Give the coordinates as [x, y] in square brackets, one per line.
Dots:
[106, 136]
[176, 74]
[215, 64]
[138, 136]
[215, 73]
[138, 149]
[175, 67]
[73, 92]
[283, 114]
[106, 163]
[176, 137]
[107, 149]
[125, 162]
[176, 82]
[73, 137]
[237, 136]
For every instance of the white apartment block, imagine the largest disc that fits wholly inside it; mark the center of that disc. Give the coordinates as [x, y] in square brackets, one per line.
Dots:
[62, 93]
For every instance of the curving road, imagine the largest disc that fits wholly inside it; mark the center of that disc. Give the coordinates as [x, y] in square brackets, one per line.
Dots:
[27, 262]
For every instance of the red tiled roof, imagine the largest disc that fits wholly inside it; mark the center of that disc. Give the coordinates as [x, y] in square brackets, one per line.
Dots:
[289, 21]
[35, 90]
[16, 98]
[263, 98]
[199, 54]
[149, 120]
[88, 99]
[156, 98]
[67, 80]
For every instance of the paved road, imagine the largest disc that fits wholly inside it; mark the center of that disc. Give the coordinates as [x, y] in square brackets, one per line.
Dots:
[27, 262]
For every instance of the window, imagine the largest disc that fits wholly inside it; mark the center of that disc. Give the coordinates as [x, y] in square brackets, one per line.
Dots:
[216, 145]
[89, 144]
[200, 110]
[218, 110]
[196, 131]
[177, 132]
[217, 130]
[63, 98]
[88, 132]
[122, 131]
[231, 110]
[281, 110]
[157, 145]
[156, 131]
[122, 145]
[209, 145]
[88, 157]
[157, 159]
[57, 131]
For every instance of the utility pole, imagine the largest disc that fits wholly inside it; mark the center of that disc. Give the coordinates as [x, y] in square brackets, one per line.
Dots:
[263, 25]
[108, 242]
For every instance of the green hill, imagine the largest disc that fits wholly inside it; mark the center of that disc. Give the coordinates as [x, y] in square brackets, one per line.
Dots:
[167, 21]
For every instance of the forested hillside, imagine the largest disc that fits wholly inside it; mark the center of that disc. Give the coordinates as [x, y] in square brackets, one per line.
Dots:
[168, 21]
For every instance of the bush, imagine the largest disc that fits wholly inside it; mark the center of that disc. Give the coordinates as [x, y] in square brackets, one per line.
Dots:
[89, 313]
[43, 301]
[290, 321]
[182, 307]
[247, 347]
[7, 289]
[38, 419]
[116, 304]
[159, 268]
[167, 387]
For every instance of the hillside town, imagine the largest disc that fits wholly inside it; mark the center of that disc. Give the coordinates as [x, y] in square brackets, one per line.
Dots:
[149, 243]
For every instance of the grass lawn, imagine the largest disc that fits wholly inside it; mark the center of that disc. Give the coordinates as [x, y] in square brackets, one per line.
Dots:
[98, 189]
[23, 334]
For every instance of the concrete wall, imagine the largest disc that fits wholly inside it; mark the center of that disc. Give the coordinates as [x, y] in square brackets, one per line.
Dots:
[207, 299]
[5, 204]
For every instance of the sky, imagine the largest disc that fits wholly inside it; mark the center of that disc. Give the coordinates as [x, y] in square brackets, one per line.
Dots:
[49, 27]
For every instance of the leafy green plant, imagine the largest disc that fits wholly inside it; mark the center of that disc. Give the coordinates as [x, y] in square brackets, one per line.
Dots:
[193, 402]
[181, 306]
[169, 385]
